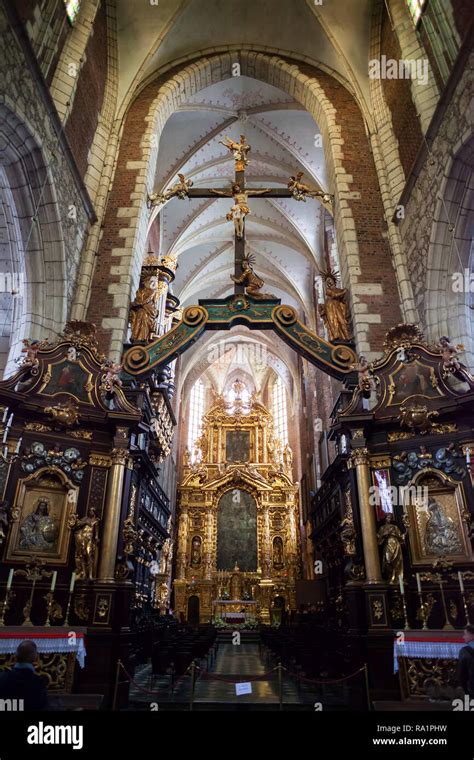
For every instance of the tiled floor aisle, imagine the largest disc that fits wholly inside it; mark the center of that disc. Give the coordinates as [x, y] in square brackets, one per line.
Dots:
[242, 661]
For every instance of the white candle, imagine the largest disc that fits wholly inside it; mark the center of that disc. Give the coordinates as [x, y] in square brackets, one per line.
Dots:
[73, 580]
[5, 451]
[18, 446]
[468, 455]
[5, 435]
[461, 582]
[10, 420]
[5, 414]
[53, 580]
[10, 579]
[418, 582]
[402, 588]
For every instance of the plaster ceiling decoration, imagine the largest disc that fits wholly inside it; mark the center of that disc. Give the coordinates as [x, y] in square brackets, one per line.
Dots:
[284, 235]
[334, 36]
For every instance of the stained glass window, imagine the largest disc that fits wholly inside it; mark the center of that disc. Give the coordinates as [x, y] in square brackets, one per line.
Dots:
[280, 412]
[196, 411]
[72, 9]
[416, 9]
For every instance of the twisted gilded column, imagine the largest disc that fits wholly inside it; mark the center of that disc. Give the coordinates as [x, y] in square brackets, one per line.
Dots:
[359, 460]
[111, 520]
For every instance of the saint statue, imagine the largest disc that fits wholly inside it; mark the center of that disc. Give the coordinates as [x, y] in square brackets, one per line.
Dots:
[165, 557]
[238, 149]
[39, 531]
[334, 311]
[253, 283]
[186, 457]
[277, 553]
[196, 551]
[441, 536]
[300, 191]
[288, 460]
[391, 538]
[179, 190]
[144, 310]
[86, 534]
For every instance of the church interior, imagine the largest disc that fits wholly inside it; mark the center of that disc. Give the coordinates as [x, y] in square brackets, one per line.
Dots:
[237, 352]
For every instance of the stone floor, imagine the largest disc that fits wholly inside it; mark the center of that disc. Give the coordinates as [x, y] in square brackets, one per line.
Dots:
[215, 687]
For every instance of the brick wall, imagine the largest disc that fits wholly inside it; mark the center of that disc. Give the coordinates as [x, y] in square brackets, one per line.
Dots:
[82, 122]
[366, 260]
[399, 100]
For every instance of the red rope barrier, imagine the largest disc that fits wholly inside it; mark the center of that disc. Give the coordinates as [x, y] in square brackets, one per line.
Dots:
[328, 681]
[141, 688]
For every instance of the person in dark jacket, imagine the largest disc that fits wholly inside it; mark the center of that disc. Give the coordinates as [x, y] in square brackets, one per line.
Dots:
[22, 682]
[466, 662]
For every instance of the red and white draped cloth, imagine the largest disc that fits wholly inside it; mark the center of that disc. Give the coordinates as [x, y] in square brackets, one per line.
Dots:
[438, 647]
[48, 643]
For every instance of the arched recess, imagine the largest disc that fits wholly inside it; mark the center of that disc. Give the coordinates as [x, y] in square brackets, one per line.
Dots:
[449, 298]
[32, 243]
[366, 260]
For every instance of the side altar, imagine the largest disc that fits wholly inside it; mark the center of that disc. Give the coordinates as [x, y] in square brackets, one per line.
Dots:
[238, 546]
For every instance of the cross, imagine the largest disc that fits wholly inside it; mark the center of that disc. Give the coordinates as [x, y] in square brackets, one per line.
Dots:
[295, 189]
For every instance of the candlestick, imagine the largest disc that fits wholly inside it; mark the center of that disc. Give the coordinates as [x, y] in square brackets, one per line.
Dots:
[6, 605]
[49, 606]
[10, 579]
[402, 588]
[53, 580]
[447, 625]
[402, 592]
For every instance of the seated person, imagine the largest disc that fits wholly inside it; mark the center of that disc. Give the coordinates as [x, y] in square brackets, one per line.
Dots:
[22, 682]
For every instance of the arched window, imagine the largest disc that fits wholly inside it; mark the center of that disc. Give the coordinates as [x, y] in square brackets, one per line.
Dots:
[280, 411]
[416, 9]
[72, 9]
[196, 411]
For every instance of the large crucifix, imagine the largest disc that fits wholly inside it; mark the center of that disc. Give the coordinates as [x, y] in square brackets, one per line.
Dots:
[296, 189]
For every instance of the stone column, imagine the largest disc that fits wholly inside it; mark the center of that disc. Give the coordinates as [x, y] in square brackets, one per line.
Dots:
[359, 459]
[111, 520]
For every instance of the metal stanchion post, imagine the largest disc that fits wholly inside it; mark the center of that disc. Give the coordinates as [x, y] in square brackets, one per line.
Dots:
[366, 676]
[117, 675]
[193, 673]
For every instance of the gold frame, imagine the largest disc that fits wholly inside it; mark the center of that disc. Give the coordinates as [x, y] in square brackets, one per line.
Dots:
[447, 486]
[392, 385]
[64, 509]
[88, 385]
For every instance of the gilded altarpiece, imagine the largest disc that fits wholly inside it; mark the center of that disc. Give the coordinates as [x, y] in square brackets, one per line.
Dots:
[238, 546]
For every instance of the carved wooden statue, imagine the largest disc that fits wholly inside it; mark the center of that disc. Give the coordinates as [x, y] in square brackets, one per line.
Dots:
[334, 311]
[87, 541]
[253, 283]
[144, 311]
[391, 539]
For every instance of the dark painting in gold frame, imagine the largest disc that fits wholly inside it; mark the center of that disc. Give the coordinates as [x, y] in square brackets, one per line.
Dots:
[412, 380]
[437, 525]
[43, 505]
[68, 377]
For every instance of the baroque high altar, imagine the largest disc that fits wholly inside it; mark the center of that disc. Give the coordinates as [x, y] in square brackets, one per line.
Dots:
[238, 537]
